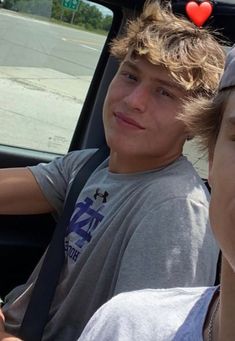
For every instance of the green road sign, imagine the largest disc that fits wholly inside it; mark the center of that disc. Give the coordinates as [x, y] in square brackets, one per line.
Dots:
[70, 4]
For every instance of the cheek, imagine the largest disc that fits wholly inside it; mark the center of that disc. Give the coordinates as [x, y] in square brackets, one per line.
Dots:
[170, 118]
[222, 218]
[107, 105]
[113, 97]
[166, 117]
[175, 129]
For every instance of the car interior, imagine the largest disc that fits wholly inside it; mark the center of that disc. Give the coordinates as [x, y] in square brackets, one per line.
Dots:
[23, 239]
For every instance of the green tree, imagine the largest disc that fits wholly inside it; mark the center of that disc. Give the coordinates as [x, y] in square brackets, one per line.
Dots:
[107, 22]
[9, 4]
[56, 9]
[87, 16]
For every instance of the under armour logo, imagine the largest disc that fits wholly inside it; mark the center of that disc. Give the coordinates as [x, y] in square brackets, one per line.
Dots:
[101, 195]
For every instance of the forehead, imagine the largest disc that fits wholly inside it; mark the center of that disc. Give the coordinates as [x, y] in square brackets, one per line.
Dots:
[137, 61]
[156, 72]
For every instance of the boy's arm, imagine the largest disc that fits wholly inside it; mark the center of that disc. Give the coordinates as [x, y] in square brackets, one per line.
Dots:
[20, 193]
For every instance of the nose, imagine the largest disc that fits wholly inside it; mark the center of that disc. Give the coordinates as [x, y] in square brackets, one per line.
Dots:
[137, 98]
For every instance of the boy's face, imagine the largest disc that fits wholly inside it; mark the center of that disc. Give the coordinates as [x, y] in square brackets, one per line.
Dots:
[140, 112]
[222, 181]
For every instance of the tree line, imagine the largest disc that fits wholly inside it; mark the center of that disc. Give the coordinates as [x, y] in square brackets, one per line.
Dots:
[87, 16]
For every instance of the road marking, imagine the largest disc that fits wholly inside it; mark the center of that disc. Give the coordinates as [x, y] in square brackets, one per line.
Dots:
[88, 47]
[82, 41]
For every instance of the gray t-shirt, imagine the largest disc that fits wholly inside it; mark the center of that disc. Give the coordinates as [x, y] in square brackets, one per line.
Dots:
[127, 232]
[176, 314]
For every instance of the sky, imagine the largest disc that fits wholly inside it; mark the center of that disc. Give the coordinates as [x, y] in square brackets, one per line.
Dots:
[102, 9]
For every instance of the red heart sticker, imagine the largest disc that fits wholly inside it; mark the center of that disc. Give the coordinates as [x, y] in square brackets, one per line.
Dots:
[199, 13]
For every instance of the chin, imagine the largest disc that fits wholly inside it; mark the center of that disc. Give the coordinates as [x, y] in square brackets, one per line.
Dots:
[119, 146]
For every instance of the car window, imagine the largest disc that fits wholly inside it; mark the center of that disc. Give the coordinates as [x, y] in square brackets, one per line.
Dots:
[199, 159]
[48, 53]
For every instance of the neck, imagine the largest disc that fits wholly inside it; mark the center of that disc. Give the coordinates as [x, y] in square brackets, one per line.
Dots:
[125, 164]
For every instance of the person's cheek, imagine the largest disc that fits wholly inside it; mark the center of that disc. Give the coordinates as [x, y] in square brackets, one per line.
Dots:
[222, 218]
[231, 214]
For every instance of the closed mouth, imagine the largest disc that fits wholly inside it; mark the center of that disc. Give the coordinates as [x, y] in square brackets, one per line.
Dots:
[128, 120]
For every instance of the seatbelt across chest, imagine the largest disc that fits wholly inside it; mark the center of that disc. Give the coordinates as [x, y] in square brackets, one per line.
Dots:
[36, 315]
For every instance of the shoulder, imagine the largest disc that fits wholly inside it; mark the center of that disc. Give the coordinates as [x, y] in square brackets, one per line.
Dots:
[143, 314]
[182, 172]
[68, 164]
[75, 158]
[165, 301]
[183, 293]
[177, 183]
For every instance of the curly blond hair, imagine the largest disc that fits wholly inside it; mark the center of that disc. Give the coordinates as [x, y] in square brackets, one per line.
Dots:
[193, 56]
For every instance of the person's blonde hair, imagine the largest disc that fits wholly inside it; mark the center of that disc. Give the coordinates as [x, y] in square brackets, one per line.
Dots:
[203, 117]
[192, 55]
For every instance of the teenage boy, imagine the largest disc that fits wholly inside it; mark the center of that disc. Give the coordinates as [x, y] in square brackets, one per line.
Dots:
[203, 313]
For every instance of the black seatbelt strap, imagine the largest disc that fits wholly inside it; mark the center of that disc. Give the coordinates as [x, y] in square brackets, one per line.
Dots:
[36, 315]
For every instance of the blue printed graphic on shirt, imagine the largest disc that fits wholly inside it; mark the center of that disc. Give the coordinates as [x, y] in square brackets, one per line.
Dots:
[83, 223]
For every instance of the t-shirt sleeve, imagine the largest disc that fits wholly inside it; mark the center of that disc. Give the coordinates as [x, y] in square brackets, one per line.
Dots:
[55, 178]
[171, 246]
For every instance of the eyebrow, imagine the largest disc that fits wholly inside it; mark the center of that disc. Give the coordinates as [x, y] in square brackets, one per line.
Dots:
[169, 84]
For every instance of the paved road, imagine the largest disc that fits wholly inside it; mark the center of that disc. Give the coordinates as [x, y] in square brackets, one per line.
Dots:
[45, 71]
[27, 42]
